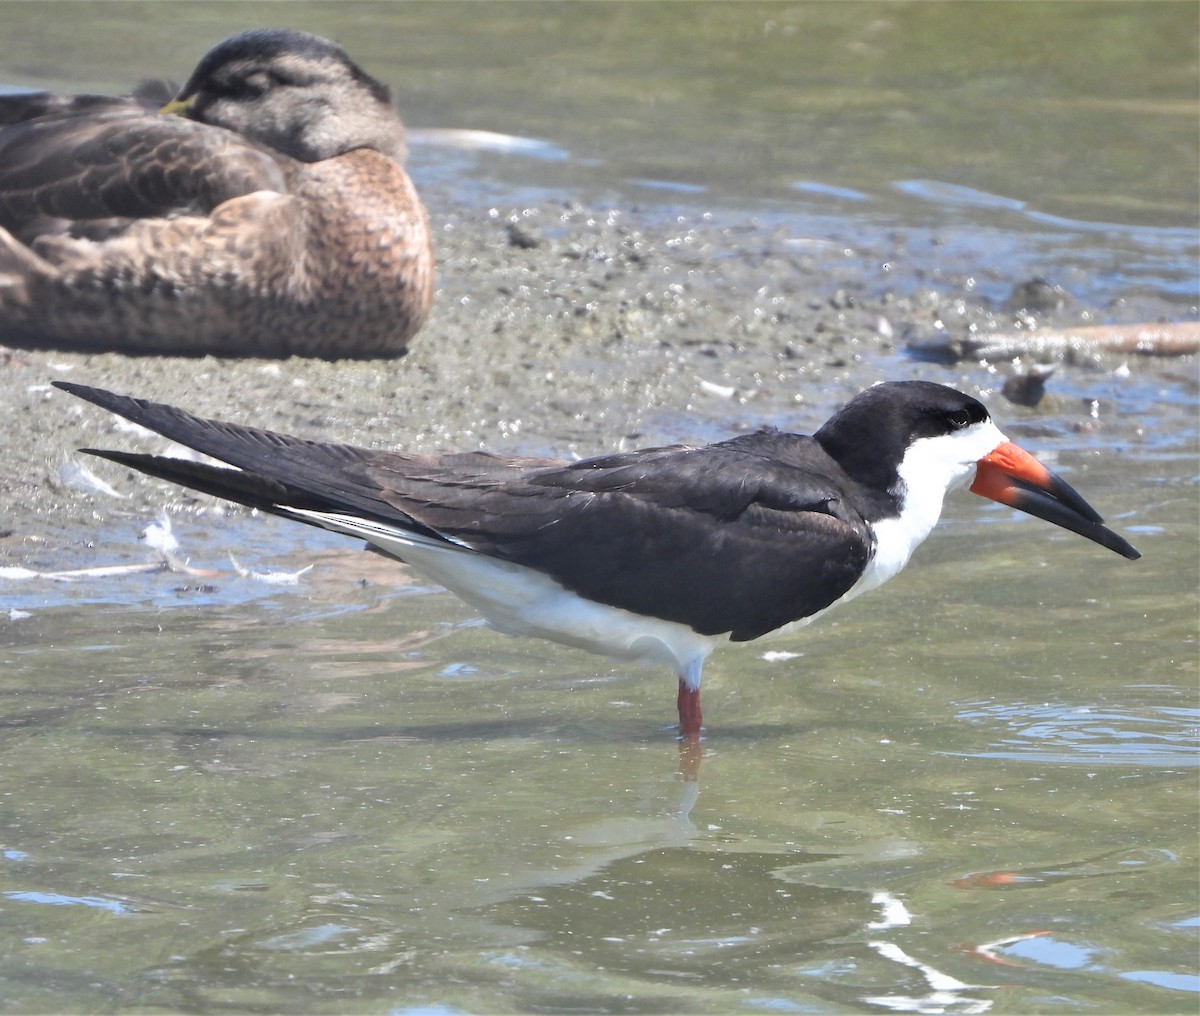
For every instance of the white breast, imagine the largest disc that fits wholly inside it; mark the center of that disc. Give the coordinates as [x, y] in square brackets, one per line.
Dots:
[520, 601]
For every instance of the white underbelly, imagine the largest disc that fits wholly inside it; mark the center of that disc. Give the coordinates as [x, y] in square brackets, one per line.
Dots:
[520, 601]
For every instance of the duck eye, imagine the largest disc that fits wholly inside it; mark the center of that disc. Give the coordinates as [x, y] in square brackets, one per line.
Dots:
[242, 86]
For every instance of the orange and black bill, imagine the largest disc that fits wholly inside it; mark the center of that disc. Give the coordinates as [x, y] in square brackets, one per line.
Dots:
[1013, 477]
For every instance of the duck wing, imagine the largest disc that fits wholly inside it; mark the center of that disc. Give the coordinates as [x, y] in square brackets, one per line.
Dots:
[115, 159]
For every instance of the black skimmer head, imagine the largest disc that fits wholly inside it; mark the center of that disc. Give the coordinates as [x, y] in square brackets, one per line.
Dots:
[658, 554]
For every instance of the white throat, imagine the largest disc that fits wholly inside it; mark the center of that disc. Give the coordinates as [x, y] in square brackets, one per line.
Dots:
[930, 468]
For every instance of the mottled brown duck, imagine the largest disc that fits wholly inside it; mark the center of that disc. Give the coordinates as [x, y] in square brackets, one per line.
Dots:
[271, 217]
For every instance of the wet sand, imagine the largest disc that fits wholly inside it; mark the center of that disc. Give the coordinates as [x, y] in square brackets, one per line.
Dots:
[558, 330]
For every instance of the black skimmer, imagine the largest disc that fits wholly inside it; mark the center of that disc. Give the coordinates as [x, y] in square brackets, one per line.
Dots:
[656, 555]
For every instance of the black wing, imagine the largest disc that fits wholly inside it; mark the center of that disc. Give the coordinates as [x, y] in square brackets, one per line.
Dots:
[121, 161]
[738, 537]
[721, 538]
[277, 471]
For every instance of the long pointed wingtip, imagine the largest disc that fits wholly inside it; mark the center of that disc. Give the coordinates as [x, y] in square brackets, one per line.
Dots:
[71, 386]
[97, 396]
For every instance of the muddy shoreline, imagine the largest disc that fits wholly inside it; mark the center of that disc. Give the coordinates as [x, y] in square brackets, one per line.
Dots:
[559, 329]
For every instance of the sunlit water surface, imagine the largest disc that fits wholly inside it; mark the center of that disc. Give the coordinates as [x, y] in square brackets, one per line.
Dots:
[973, 791]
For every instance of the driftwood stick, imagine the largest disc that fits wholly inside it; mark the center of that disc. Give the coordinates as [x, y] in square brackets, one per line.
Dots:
[1172, 339]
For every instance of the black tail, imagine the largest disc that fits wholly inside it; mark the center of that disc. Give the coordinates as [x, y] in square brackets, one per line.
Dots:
[238, 485]
[245, 447]
[273, 472]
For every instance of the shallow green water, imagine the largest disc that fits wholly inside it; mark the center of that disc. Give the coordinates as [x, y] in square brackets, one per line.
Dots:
[226, 796]
[331, 798]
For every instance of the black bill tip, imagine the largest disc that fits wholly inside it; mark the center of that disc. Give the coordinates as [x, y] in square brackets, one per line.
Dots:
[1063, 512]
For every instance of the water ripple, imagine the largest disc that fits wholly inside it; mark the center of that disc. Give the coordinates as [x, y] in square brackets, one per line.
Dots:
[1061, 732]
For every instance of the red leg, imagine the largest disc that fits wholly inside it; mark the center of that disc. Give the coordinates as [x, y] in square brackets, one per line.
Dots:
[690, 718]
